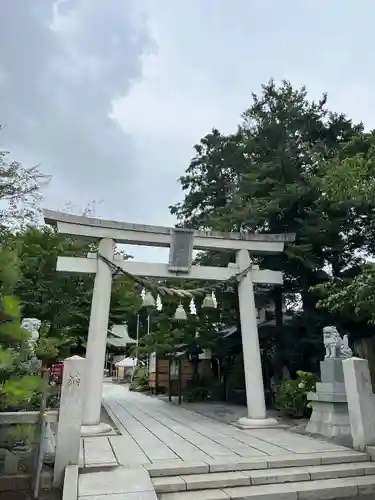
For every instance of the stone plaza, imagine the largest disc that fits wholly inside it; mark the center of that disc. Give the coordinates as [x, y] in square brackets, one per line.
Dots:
[168, 452]
[160, 450]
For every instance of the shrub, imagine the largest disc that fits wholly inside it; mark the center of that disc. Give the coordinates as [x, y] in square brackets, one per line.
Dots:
[140, 380]
[20, 436]
[217, 391]
[21, 393]
[21, 387]
[205, 389]
[291, 398]
[196, 394]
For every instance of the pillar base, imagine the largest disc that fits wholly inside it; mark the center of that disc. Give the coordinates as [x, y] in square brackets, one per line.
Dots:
[94, 430]
[257, 423]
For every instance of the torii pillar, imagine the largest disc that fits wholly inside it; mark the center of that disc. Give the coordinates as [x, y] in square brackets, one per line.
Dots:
[181, 243]
[97, 341]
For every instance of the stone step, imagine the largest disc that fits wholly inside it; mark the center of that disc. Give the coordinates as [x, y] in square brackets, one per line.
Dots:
[326, 489]
[286, 460]
[222, 480]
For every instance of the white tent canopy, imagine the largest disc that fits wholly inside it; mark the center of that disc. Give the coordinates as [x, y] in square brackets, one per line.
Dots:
[126, 363]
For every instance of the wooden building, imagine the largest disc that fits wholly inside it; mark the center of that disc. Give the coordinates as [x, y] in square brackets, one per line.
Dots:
[176, 372]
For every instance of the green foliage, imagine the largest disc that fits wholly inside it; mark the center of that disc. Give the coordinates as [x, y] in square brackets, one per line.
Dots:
[125, 301]
[11, 333]
[14, 349]
[20, 436]
[351, 295]
[62, 301]
[9, 266]
[350, 177]
[168, 336]
[291, 398]
[195, 394]
[48, 349]
[53, 397]
[140, 380]
[21, 393]
[266, 177]
[20, 383]
[348, 181]
[205, 390]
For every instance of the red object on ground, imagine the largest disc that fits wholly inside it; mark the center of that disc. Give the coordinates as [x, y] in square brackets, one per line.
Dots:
[57, 371]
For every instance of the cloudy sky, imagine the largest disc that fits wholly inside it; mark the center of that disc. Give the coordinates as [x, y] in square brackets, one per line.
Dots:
[110, 95]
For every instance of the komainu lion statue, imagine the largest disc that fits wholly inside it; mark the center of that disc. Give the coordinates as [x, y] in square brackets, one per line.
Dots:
[336, 347]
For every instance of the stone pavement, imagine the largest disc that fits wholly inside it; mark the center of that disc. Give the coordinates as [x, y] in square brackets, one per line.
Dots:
[155, 431]
[168, 452]
[229, 413]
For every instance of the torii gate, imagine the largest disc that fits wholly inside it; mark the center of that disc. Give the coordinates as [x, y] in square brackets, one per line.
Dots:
[181, 243]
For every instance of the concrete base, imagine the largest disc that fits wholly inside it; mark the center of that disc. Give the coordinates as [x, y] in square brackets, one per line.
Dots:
[94, 430]
[329, 419]
[330, 416]
[257, 423]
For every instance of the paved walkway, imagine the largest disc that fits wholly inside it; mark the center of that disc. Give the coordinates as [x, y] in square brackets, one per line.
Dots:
[161, 439]
[153, 431]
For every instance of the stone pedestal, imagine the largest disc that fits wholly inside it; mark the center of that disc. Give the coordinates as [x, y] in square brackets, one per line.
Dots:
[330, 416]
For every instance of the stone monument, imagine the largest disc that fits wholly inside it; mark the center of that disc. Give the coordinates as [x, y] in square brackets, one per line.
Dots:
[361, 402]
[68, 438]
[330, 416]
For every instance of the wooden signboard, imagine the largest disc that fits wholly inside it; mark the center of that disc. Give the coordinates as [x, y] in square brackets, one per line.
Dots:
[181, 252]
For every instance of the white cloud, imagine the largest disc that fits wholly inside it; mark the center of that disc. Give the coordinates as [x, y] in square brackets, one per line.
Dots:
[113, 98]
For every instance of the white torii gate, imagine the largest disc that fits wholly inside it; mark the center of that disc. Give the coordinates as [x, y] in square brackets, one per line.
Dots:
[181, 243]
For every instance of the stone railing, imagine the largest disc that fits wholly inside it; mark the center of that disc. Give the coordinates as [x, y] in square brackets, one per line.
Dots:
[15, 429]
[58, 442]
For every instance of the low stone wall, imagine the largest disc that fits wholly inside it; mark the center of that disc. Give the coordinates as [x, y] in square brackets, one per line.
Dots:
[12, 485]
[18, 440]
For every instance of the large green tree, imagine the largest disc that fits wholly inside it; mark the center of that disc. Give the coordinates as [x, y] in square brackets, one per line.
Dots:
[264, 177]
[348, 181]
[19, 382]
[62, 301]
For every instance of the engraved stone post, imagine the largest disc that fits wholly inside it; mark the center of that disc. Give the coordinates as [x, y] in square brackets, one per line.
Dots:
[360, 402]
[70, 417]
